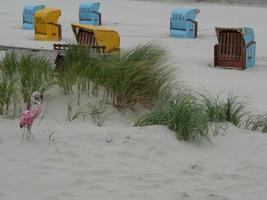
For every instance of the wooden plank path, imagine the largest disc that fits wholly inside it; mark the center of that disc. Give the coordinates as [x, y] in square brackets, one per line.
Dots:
[50, 54]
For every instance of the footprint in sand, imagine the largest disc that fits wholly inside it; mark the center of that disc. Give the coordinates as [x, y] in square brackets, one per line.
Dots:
[194, 169]
[197, 167]
[185, 195]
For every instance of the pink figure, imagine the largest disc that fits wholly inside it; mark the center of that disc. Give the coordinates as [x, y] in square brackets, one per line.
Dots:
[28, 116]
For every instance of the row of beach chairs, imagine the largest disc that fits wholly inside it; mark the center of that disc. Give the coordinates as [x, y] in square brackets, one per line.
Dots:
[235, 49]
[88, 14]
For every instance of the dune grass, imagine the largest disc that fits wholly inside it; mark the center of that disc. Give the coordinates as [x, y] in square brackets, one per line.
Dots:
[182, 113]
[232, 109]
[8, 87]
[20, 77]
[74, 76]
[96, 113]
[76, 59]
[138, 75]
[189, 114]
[35, 74]
[141, 75]
[257, 122]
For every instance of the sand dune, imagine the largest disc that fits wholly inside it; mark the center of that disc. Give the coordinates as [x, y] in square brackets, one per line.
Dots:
[139, 163]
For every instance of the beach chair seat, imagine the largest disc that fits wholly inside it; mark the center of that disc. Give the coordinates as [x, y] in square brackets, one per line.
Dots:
[103, 40]
[183, 24]
[89, 14]
[28, 15]
[235, 49]
[46, 24]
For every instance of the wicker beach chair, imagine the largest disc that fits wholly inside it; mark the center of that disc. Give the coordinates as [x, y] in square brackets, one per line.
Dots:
[89, 14]
[183, 24]
[101, 39]
[28, 15]
[235, 49]
[46, 26]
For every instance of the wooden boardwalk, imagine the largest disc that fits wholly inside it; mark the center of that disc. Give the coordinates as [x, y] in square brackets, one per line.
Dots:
[50, 55]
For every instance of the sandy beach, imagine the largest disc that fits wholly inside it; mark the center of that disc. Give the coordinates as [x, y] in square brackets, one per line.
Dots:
[118, 161]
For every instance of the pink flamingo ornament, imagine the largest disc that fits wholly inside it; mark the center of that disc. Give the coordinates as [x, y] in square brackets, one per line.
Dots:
[28, 116]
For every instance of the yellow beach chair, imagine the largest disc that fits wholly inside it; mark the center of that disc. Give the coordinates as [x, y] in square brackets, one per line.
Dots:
[105, 40]
[45, 24]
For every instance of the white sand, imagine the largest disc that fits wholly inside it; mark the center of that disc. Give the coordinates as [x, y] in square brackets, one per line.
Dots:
[150, 163]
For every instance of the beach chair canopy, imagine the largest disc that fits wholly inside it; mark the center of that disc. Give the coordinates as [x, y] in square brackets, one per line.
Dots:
[46, 27]
[182, 22]
[236, 47]
[89, 13]
[28, 15]
[97, 37]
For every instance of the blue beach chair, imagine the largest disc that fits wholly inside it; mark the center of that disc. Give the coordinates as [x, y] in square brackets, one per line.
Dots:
[236, 48]
[88, 14]
[28, 15]
[183, 24]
